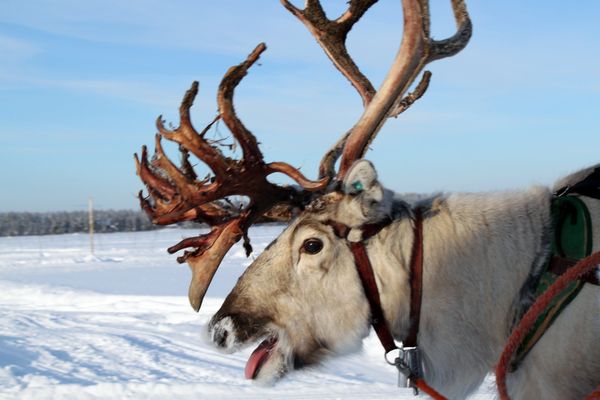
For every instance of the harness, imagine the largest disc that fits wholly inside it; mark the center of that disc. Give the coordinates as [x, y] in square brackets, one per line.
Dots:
[572, 242]
[408, 362]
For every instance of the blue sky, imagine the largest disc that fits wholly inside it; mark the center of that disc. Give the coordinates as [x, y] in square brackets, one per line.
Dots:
[81, 83]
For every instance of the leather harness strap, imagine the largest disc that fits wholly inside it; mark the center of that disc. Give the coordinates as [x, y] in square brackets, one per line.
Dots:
[367, 278]
[416, 280]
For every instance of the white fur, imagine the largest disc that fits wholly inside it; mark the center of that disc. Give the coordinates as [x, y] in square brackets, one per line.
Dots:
[226, 324]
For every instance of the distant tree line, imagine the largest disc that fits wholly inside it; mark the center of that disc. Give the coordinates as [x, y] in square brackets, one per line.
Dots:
[50, 223]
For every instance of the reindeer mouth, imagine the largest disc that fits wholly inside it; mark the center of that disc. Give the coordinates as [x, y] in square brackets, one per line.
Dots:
[270, 360]
[259, 357]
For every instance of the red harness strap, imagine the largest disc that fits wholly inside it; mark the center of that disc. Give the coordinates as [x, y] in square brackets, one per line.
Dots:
[367, 278]
[416, 280]
[588, 265]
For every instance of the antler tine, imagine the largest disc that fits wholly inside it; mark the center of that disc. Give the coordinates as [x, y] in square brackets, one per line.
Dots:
[206, 258]
[163, 192]
[168, 206]
[327, 165]
[185, 187]
[247, 141]
[452, 45]
[159, 184]
[296, 175]
[416, 50]
[186, 135]
[331, 36]
[410, 98]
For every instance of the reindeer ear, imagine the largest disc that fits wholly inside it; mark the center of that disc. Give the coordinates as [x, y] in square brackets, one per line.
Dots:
[367, 195]
[361, 179]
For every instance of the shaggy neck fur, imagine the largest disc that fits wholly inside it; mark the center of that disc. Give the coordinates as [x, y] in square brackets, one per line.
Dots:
[479, 250]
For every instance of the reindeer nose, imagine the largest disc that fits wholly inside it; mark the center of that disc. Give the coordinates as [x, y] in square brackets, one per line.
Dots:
[221, 332]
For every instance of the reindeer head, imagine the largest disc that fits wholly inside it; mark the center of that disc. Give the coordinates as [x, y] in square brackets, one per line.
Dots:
[302, 295]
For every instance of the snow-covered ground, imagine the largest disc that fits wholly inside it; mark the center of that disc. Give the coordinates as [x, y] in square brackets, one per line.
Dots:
[118, 326]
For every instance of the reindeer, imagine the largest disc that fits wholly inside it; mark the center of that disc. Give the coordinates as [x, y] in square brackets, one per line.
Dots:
[303, 297]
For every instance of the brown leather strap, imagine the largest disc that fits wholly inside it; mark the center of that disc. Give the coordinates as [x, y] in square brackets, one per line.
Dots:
[367, 230]
[367, 278]
[416, 280]
[370, 230]
[560, 265]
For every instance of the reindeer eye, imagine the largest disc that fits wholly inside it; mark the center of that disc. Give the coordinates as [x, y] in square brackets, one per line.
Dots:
[312, 245]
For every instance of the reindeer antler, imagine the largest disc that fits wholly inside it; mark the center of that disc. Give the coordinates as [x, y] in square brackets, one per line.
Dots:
[416, 50]
[176, 194]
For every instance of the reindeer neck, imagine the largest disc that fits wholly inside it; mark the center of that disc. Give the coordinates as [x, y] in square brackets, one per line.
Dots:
[478, 251]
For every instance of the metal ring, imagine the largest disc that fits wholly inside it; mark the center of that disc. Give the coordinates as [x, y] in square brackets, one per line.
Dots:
[400, 352]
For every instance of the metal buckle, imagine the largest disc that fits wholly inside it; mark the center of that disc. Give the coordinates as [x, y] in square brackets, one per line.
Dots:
[562, 191]
[410, 367]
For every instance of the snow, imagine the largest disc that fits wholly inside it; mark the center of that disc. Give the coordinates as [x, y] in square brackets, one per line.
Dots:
[117, 325]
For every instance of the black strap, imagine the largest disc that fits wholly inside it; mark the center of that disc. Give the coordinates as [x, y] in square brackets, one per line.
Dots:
[560, 265]
[589, 186]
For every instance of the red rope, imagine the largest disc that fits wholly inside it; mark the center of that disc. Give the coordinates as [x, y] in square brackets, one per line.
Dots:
[425, 388]
[581, 268]
[594, 396]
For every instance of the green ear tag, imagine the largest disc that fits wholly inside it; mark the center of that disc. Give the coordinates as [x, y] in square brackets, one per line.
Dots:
[358, 186]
